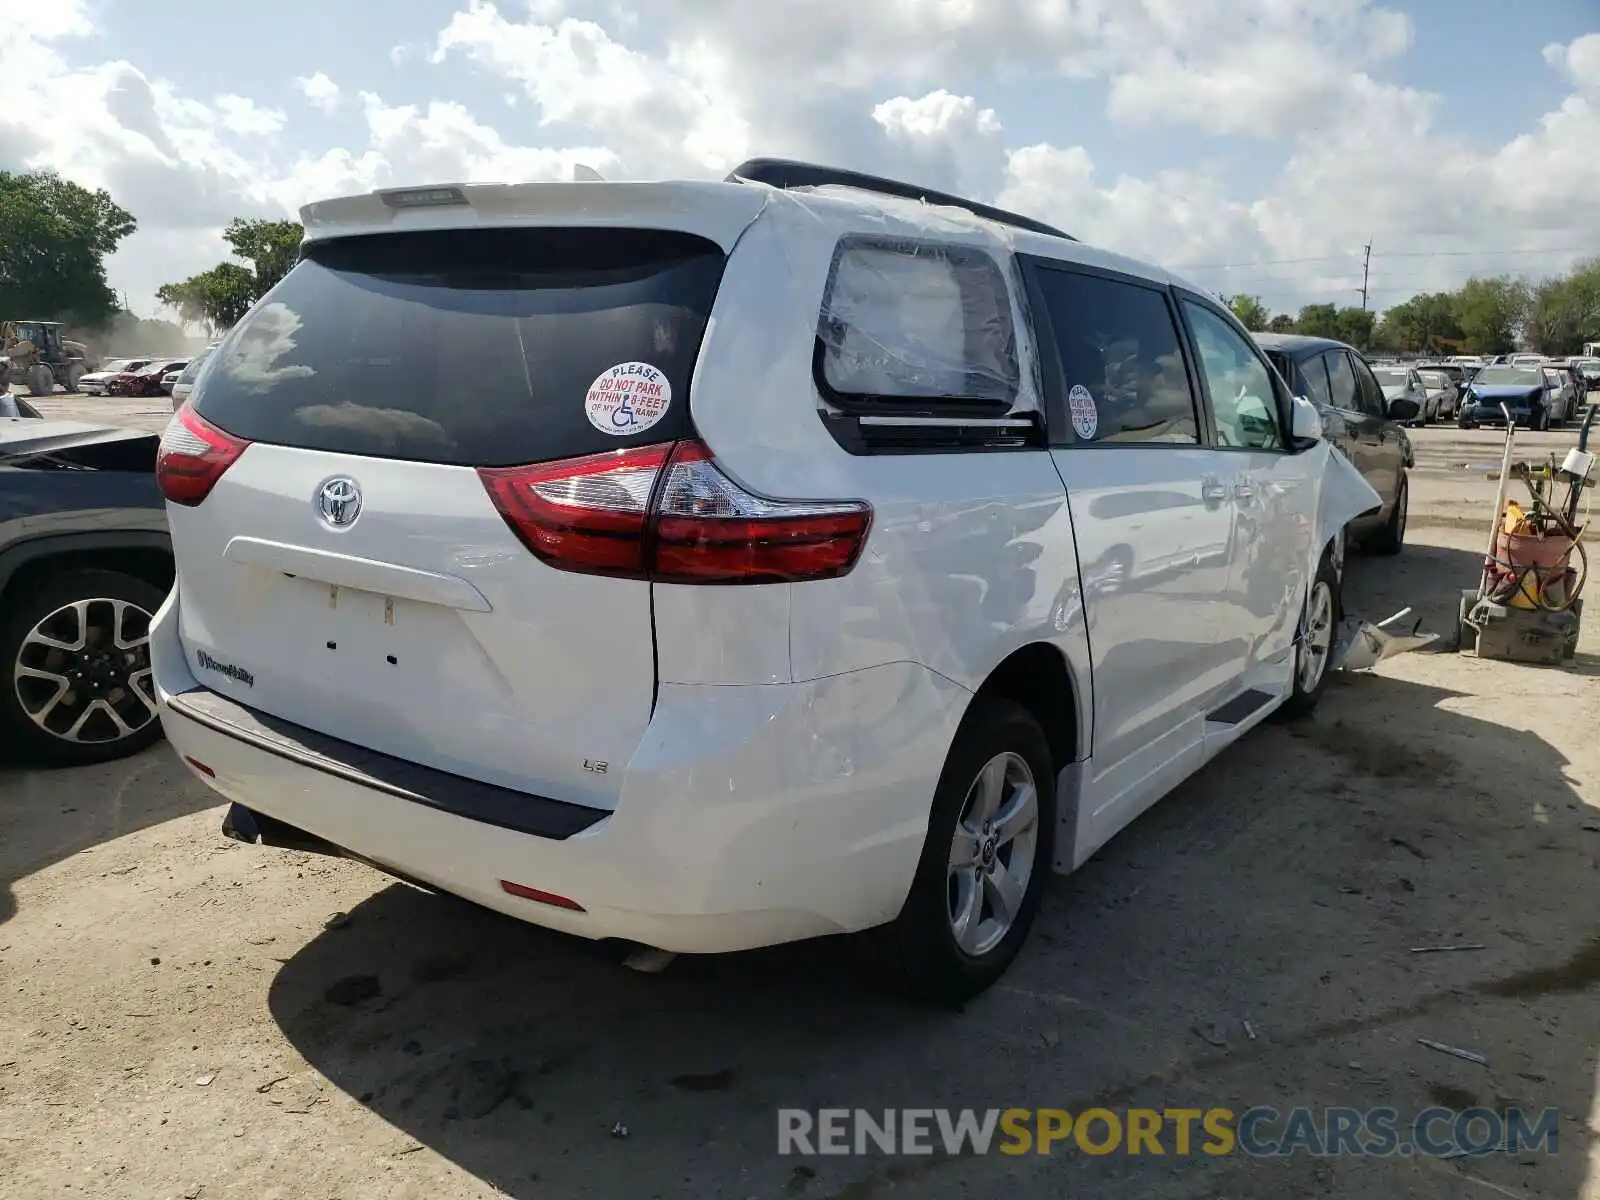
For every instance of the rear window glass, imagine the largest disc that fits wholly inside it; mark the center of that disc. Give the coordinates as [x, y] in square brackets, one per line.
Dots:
[473, 347]
[914, 323]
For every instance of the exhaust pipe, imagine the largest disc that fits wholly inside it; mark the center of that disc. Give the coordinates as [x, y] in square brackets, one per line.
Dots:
[252, 828]
[257, 829]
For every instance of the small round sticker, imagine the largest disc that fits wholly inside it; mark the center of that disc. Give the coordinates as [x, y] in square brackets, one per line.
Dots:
[628, 398]
[1085, 416]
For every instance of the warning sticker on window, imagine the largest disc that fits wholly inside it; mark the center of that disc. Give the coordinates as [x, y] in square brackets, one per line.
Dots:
[628, 398]
[1085, 416]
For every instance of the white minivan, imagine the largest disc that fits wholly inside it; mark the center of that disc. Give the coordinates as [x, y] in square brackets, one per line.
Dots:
[712, 565]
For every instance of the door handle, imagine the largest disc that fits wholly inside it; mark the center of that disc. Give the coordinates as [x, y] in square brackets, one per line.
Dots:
[1244, 490]
[1213, 492]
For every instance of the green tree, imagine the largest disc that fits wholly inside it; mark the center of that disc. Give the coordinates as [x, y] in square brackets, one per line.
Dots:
[1489, 313]
[1281, 323]
[1355, 326]
[271, 248]
[54, 238]
[220, 297]
[1564, 312]
[1318, 320]
[1251, 312]
[217, 298]
[1425, 323]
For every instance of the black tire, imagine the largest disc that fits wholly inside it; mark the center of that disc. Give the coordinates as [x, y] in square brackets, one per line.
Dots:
[917, 955]
[1391, 538]
[98, 739]
[1304, 697]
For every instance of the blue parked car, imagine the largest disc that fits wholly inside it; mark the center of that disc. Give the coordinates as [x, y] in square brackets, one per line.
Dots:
[1520, 389]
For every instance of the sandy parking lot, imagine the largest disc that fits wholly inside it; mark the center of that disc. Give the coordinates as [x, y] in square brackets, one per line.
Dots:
[181, 1016]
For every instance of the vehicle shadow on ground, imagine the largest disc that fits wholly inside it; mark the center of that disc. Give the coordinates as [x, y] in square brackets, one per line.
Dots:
[48, 814]
[1286, 886]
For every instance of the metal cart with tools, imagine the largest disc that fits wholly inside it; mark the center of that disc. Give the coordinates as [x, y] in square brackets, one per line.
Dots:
[1528, 605]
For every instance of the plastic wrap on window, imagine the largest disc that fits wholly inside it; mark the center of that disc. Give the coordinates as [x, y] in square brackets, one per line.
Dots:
[918, 320]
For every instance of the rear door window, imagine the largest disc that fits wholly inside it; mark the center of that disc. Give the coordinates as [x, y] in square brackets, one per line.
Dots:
[1122, 367]
[1342, 381]
[1368, 390]
[472, 347]
[911, 324]
[1314, 371]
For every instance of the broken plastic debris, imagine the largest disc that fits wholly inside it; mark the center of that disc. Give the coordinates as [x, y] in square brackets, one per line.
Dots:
[619, 1131]
[1361, 645]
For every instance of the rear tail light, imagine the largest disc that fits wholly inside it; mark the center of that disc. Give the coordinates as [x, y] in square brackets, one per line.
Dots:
[669, 514]
[193, 455]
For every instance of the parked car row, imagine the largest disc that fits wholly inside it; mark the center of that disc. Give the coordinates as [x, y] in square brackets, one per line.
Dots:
[155, 378]
[94, 383]
[151, 375]
[1541, 392]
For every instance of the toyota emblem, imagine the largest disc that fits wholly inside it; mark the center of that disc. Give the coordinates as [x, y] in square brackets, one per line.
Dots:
[339, 502]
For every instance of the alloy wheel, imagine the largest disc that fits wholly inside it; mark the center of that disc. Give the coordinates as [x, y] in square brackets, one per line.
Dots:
[1317, 638]
[83, 673]
[992, 853]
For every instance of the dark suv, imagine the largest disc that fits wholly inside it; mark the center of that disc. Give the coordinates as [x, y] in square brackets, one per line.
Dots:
[1359, 420]
[85, 562]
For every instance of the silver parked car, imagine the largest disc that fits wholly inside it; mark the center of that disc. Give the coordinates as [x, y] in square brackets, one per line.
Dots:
[1404, 383]
[1561, 391]
[1443, 395]
[183, 384]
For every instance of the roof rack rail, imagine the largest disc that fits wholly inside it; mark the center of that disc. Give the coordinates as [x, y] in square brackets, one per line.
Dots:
[787, 173]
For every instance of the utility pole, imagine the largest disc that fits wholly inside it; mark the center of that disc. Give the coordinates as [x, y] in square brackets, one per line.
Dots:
[1366, 264]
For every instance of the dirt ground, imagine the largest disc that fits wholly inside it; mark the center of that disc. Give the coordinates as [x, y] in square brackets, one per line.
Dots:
[181, 1016]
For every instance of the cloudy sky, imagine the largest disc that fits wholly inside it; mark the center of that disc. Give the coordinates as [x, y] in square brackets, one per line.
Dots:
[1256, 145]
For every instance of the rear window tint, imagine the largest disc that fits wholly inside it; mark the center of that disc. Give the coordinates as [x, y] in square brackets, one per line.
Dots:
[914, 323]
[474, 347]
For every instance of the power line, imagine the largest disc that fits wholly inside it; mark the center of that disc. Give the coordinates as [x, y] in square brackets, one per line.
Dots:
[1478, 253]
[1283, 262]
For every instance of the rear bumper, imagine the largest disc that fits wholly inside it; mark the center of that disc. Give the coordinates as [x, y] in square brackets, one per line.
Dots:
[748, 816]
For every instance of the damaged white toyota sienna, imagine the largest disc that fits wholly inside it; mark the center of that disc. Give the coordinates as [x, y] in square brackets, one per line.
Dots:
[714, 565]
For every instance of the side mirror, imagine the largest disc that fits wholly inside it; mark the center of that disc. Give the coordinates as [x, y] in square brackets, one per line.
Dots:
[1403, 409]
[1306, 422]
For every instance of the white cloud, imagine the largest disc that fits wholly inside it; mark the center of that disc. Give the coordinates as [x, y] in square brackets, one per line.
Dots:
[322, 92]
[941, 136]
[238, 114]
[1579, 59]
[694, 86]
[658, 118]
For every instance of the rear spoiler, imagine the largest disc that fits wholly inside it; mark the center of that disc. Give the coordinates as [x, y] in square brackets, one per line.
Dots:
[719, 212]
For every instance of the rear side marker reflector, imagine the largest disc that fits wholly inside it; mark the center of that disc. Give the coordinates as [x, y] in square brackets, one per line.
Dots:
[193, 455]
[550, 898]
[669, 514]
